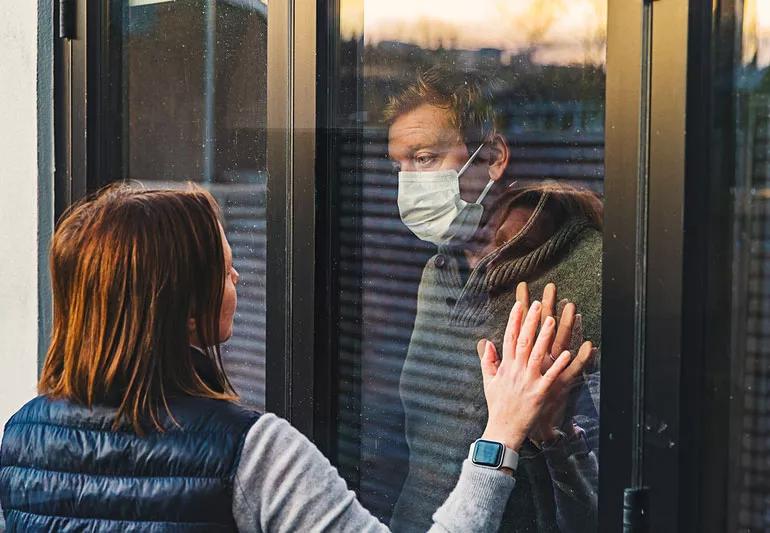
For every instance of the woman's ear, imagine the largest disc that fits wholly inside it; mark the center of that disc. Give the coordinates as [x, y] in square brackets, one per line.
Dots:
[499, 154]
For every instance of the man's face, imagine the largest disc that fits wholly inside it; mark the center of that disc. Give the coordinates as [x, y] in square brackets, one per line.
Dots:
[424, 139]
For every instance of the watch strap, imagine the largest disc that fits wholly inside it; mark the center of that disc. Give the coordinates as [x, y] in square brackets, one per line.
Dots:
[510, 458]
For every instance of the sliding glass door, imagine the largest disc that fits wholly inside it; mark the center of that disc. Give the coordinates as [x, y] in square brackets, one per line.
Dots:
[424, 88]
[180, 89]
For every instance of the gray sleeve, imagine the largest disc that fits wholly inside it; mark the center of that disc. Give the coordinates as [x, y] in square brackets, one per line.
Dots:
[284, 483]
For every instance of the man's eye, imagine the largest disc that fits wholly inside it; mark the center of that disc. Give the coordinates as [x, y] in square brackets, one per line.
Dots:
[424, 160]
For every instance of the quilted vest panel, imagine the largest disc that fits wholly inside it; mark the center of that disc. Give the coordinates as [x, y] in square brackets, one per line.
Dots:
[63, 468]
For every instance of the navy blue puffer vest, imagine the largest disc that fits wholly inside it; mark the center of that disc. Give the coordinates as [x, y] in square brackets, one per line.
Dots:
[62, 468]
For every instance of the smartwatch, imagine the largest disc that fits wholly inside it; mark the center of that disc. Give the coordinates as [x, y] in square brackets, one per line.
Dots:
[493, 454]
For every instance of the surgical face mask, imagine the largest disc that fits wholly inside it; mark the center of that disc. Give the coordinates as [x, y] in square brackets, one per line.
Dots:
[430, 205]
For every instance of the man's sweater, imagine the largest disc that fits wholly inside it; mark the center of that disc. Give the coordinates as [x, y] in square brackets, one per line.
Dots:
[284, 484]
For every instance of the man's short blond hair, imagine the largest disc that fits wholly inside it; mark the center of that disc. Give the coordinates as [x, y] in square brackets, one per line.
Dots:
[466, 95]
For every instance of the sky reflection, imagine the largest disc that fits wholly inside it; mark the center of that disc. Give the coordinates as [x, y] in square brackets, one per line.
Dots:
[756, 32]
[551, 31]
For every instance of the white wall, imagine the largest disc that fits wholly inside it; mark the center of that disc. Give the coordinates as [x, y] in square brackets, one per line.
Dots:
[18, 204]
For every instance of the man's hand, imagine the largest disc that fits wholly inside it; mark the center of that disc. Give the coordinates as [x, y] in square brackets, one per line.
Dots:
[515, 387]
[557, 413]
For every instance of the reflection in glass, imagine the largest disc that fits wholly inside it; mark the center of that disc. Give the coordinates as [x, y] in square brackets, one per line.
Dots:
[194, 75]
[426, 272]
[749, 491]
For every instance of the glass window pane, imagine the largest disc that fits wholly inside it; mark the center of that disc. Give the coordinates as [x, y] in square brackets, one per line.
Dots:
[430, 261]
[194, 102]
[749, 489]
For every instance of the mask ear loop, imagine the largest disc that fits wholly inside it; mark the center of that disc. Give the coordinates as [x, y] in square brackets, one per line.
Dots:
[465, 167]
[470, 160]
[485, 191]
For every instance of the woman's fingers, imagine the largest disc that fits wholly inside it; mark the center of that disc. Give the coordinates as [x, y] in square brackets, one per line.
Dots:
[549, 302]
[480, 347]
[489, 360]
[512, 332]
[481, 350]
[557, 368]
[542, 344]
[527, 334]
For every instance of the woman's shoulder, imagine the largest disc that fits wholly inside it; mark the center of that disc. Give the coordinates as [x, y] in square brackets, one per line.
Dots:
[31, 411]
[44, 409]
[210, 414]
[188, 413]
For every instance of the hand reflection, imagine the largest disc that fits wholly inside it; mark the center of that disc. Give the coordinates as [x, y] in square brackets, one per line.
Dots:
[556, 416]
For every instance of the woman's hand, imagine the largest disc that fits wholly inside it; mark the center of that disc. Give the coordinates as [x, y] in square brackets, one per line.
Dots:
[515, 388]
[556, 415]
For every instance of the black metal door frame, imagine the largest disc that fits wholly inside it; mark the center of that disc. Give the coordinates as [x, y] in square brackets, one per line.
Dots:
[667, 264]
[88, 111]
[291, 212]
[624, 255]
[707, 228]
[664, 334]
[88, 104]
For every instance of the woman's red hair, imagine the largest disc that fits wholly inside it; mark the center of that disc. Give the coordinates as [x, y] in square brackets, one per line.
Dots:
[129, 268]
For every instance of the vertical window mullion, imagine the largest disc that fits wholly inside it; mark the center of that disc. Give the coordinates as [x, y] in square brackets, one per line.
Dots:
[303, 216]
[278, 345]
[664, 303]
[291, 212]
[624, 181]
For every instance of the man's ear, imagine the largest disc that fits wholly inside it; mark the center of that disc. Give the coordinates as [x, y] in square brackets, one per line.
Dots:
[499, 155]
[191, 326]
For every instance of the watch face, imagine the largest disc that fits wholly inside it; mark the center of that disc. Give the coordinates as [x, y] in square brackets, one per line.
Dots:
[488, 453]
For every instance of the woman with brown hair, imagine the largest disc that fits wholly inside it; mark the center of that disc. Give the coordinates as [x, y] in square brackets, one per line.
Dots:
[137, 427]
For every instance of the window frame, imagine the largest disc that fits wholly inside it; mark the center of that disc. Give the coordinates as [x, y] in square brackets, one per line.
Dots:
[291, 213]
[623, 274]
[87, 98]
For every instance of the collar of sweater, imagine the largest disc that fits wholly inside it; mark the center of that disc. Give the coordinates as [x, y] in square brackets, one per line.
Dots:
[505, 266]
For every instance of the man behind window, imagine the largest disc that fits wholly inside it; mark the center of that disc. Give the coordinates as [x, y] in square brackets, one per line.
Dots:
[491, 233]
